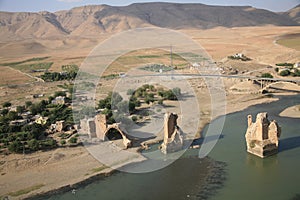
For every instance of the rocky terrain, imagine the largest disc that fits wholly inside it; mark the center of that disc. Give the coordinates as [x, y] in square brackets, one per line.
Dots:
[90, 21]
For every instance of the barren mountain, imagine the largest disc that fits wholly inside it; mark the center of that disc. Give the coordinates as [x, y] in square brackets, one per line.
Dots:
[294, 13]
[93, 20]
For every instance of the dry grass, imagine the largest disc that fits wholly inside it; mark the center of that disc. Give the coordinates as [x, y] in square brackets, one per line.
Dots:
[9, 76]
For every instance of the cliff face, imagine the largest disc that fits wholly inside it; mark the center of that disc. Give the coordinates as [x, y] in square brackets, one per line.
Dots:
[262, 136]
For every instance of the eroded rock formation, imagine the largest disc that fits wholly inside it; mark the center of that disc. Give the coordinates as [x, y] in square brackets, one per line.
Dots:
[173, 140]
[262, 136]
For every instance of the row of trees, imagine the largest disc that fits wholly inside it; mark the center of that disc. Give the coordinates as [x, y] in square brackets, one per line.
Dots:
[58, 76]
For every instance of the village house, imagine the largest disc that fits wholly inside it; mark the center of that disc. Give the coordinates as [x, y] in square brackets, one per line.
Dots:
[297, 65]
[41, 120]
[59, 100]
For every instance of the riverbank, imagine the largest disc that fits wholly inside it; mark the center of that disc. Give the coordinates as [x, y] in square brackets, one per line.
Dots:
[62, 169]
[293, 112]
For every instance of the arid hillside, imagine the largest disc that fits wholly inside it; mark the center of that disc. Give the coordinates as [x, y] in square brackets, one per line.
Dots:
[92, 21]
[294, 13]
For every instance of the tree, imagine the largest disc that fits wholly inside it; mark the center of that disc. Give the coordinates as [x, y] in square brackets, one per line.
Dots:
[73, 140]
[15, 147]
[28, 104]
[123, 107]
[12, 115]
[176, 91]
[160, 102]
[63, 142]
[20, 109]
[115, 99]
[4, 111]
[33, 145]
[276, 69]
[266, 75]
[130, 91]
[6, 104]
[285, 73]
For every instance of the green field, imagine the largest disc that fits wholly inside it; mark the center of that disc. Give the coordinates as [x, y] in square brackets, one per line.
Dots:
[290, 41]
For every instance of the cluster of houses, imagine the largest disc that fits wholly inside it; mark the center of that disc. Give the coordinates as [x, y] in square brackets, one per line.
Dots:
[293, 69]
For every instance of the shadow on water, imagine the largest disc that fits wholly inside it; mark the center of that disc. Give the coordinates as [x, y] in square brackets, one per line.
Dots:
[209, 138]
[289, 143]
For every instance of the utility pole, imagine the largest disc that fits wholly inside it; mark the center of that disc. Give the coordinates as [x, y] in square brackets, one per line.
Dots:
[171, 57]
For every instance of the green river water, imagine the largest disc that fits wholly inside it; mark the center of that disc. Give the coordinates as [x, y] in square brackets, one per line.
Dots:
[246, 177]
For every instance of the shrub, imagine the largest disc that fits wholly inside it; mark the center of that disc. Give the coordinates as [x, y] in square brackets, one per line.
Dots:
[285, 73]
[266, 75]
[134, 118]
[6, 104]
[73, 140]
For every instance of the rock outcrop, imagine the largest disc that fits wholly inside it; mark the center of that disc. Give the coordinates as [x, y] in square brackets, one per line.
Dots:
[262, 136]
[173, 140]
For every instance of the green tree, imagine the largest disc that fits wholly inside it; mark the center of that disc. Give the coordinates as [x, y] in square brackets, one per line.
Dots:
[12, 115]
[176, 91]
[285, 73]
[15, 147]
[6, 104]
[73, 140]
[33, 145]
[28, 104]
[130, 91]
[266, 75]
[20, 109]
[4, 111]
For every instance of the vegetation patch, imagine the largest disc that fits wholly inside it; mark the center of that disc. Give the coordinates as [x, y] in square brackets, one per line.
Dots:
[26, 190]
[25, 61]
[35, 67]
[157, 68]
[99, 169]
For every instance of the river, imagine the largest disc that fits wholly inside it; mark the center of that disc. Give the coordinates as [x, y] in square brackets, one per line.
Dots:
[245, 176]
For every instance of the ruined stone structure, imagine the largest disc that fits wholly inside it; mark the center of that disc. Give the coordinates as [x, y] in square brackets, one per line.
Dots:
[60, 125]
[173, 140]
[262, 136]
[97, 128]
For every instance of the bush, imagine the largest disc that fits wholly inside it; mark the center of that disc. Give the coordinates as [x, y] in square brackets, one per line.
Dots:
[6, 104]
[33, 145]
[15, 147]
[176, 91]
[130, 91]
[63, 142]
[266, 75]
[134, 118]
[73, 140]
[285, 73]
[276, 69]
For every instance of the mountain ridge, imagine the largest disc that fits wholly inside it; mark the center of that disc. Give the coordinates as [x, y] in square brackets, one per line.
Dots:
[92, 20]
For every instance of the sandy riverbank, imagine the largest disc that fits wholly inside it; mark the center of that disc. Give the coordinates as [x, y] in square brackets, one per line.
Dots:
[293, 112]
